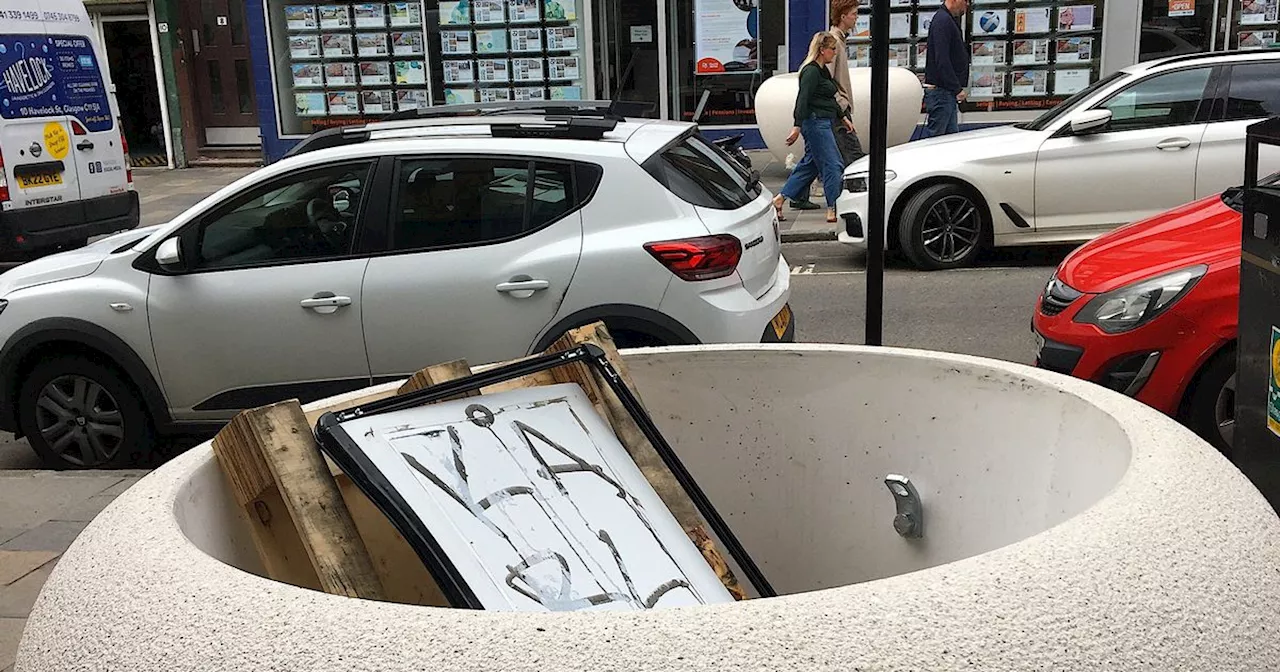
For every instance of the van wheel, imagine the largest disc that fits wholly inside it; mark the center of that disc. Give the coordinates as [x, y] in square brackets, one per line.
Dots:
[78, 414]
[942, 227]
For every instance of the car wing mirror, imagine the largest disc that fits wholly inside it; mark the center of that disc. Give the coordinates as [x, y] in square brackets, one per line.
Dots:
[169, 255]
[1090, 121]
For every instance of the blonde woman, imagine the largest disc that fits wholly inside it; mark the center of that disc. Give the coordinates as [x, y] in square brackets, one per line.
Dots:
[816, 113]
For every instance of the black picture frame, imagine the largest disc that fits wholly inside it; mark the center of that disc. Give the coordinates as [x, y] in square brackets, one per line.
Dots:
[345, 451]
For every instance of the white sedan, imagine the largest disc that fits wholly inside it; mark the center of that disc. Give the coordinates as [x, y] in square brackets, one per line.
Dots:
[1133, 144]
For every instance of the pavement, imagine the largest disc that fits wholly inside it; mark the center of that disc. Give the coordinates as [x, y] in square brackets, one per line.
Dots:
[981, 311]
[41, 514]
[801, 225]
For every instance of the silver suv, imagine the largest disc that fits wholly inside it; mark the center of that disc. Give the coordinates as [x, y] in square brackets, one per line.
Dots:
[481, 232]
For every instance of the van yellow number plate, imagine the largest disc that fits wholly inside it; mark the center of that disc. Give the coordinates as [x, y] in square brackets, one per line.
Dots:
[39, 180]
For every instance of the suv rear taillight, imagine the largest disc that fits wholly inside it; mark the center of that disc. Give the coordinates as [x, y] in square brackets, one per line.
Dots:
[703, 258]
[4, 182]
[128, 167]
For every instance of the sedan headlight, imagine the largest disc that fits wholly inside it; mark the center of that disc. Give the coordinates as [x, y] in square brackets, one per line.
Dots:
[1134, 305]
[857, 182]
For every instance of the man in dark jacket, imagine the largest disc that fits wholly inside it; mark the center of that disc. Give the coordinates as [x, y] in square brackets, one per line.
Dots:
[946, 72]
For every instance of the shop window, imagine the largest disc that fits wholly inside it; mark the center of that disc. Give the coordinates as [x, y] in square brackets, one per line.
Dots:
[1255, 24]
[452, 202]
[721, 51]
[1176, 27]
[304, 216]
[349, 63]
[1164, 100]
[1024, 56]
[1254, 91]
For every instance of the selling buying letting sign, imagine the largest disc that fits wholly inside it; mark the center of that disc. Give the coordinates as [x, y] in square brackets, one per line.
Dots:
[727, 36]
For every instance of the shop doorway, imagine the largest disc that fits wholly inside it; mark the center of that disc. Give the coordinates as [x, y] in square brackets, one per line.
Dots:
[221, 75]
[631, 67]
[1176, 27]
[131, 60]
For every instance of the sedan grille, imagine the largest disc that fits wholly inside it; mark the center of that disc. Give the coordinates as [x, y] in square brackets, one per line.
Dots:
[1057, 297]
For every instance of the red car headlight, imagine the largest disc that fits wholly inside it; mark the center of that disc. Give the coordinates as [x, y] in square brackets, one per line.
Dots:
[1134, 305]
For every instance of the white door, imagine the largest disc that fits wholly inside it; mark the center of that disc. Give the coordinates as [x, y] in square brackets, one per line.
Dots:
[1252, 94]
[1143, 163]
[483, 253]
[269, 307]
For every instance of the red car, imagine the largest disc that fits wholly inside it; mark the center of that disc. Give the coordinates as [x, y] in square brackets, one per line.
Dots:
[1150, 310]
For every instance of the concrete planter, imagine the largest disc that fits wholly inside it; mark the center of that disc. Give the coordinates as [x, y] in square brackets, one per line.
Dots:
[1066, 528]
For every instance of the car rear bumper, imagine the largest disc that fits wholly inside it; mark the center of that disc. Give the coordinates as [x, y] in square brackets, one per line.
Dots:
[61, 223]
[730, 314]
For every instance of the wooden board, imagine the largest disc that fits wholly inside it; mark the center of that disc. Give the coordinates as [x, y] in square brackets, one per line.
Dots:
[278, 438]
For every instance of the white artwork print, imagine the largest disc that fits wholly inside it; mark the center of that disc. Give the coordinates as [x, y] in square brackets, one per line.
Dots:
[537, 504]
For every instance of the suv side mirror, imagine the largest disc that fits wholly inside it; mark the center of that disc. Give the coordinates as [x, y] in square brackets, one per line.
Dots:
[169, 255]
[1089, 122]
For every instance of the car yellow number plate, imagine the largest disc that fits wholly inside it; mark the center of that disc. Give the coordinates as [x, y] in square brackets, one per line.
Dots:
[781, 321]
[39, 180]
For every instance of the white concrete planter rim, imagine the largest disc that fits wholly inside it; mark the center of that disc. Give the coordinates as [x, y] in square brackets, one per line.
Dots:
[1176, 568]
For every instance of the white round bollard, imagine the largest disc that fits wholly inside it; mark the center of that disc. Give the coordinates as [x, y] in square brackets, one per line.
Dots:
[776, 99]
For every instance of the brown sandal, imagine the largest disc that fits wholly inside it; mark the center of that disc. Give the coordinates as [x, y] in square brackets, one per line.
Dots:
[778, 201]
[831, 217]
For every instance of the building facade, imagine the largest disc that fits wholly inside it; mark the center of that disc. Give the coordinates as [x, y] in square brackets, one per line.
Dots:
[281, 69]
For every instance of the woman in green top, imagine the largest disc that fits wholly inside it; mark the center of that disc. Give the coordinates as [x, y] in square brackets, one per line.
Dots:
[816, 114]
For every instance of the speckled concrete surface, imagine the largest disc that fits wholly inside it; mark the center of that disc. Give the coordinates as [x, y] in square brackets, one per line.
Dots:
[1176, 568]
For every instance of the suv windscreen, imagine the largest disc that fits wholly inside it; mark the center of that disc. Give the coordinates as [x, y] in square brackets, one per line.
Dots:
[702, 175]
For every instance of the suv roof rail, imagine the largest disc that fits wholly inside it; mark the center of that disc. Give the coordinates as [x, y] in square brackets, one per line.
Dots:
[555, 124]
[1182, 58]
[594, 108]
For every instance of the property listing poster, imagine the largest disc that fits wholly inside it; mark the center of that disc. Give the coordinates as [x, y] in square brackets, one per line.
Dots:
[1257, 24]
[1028, 54]
[509, 49]
[726, 36]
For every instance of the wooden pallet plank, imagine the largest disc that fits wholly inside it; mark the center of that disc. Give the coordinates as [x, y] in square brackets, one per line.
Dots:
[279, 433]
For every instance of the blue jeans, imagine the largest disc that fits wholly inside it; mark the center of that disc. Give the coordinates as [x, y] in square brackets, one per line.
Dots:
[821, 158]
[944, 113]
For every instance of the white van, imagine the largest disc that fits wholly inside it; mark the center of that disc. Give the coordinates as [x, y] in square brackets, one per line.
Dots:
[64, 164]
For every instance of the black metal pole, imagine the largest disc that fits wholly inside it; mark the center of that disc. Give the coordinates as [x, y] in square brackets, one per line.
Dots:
[875, 177]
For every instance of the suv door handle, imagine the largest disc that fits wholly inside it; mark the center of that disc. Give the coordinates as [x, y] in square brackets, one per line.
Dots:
[325, 303]
[85, 145]
[522, 287]
[1174, 143]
